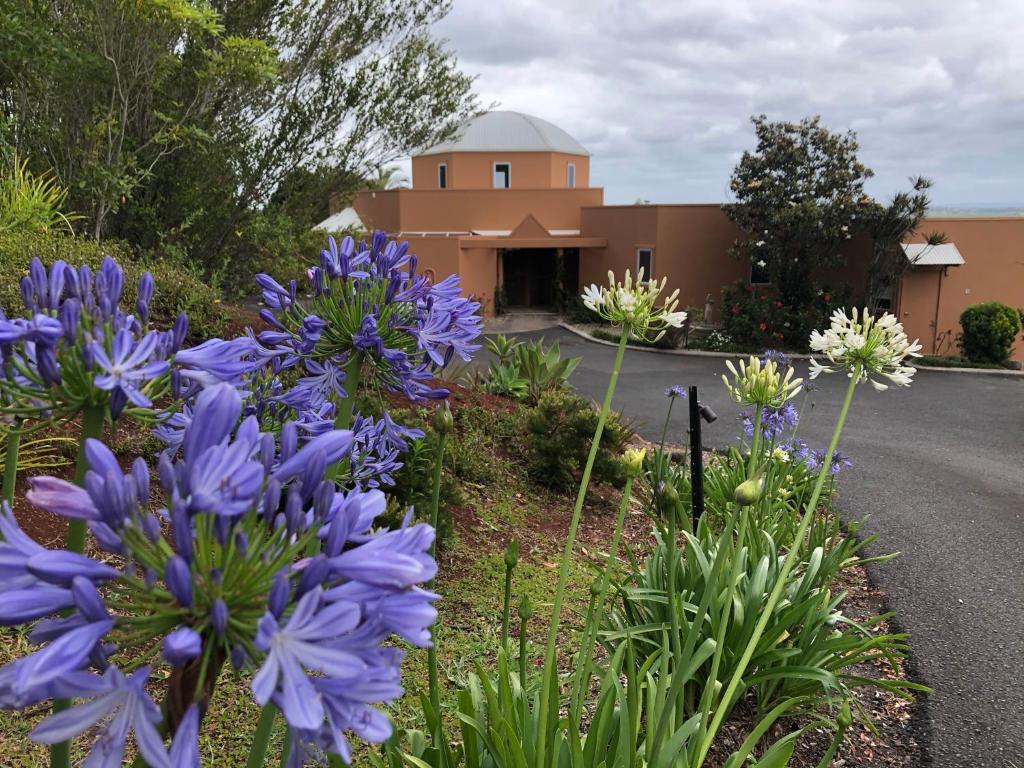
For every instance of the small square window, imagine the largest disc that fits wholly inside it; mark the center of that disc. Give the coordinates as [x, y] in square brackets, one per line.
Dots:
[442, 176]
[571, 175]
[502, 175]
[645, 261]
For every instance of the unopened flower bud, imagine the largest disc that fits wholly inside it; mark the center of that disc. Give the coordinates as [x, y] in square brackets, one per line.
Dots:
[512, 554]
[749, 492]
[525, 609]
[634, 459]
[219, 616]
[179, 580]
[666, 497]
[845, 717]
[443, 421]
[182, 645]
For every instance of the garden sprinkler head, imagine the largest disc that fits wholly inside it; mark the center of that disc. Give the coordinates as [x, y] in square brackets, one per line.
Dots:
[706, 413]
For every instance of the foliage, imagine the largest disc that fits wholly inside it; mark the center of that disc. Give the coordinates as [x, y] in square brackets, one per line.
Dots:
[558, 429]
[989, 330]
[172, 123]
[31, 202]
[799, 196]
[526, 370]
[939, 361]
[756, 317]
[180, 291]
[889, 226]
[714, 341]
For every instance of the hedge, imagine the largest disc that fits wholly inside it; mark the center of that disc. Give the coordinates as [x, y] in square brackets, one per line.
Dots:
[176, 288]
[989, 330]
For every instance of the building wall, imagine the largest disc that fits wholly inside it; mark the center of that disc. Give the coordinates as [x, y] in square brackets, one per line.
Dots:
[475, 170]
[691, 247]
[478, 268]
[993, 251]
[462, 210]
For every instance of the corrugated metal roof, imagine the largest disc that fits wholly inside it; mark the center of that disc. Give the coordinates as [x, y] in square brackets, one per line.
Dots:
[924, 255]
[341, 220]
[504, 131]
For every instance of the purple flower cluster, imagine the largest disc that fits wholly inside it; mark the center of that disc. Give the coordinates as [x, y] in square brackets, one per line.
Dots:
[773, 355]
[76, 347]
[371, 303]
[774, 421]
[676, 390]
[224, 571]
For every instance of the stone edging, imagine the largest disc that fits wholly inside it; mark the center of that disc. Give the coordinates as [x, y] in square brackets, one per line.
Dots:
[792, 356]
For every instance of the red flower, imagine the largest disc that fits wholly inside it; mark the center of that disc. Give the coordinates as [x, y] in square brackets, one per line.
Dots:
[735, 310]
[827, 297]
[763, 326]
[777, 303]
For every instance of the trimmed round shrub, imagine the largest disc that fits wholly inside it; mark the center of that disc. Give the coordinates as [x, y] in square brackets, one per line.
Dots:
[989, 330]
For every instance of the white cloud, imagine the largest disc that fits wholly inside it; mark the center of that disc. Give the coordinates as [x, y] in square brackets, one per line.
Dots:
[661, 92]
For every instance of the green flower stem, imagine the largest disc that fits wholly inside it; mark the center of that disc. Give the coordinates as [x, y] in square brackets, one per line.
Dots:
[674, 609]
[353, 372]
[92, 427]
[434, 680]
[550, 674]
[787, 566]
[11, 461]
[594, 618]
[506, 609]
[755, 444]
[664, 429]
[261, 739]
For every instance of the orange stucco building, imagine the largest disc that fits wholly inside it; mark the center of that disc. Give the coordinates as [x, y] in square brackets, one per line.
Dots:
[509, 207]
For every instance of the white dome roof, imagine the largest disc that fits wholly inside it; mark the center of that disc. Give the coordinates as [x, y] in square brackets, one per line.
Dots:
[502, 131]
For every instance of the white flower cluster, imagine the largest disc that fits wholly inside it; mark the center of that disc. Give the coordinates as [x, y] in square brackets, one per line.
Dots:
[877, 345]
[635, 305]
[761, 384]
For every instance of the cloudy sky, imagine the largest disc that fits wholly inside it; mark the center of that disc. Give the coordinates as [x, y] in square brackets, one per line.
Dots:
[660, 91]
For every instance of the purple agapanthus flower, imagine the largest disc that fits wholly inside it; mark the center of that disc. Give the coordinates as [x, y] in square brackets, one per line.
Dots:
[774, 355]
[774, 421]
[129, 365]
[676, 390]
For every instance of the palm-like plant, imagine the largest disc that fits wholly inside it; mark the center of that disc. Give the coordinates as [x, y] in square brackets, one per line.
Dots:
[31, 201]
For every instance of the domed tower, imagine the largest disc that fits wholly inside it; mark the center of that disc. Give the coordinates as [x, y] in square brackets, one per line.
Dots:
[500, 204]
[504, 150]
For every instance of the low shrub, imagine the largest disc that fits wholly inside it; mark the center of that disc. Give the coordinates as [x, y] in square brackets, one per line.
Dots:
[560, 429]
[755, 317]
[526, 371]
[989, 330]
[179, 290]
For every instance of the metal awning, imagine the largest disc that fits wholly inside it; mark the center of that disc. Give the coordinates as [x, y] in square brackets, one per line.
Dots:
[925, 255]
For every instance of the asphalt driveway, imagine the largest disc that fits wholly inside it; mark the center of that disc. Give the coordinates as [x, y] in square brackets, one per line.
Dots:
[939, 471]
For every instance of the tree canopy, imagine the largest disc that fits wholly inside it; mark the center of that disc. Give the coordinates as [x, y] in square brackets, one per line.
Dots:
[172, 123]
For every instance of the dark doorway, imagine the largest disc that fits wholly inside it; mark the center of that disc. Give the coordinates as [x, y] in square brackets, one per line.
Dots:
[537, 278]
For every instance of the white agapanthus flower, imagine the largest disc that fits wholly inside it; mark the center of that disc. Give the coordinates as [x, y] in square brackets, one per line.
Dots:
[762, 263]
[760, 383]
[635, 305]
[878, 346]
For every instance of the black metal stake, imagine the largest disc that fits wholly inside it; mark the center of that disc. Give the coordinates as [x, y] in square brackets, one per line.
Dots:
[696, 460]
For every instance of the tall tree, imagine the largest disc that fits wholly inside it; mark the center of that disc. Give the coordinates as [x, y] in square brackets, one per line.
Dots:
[889, 225]
[798, 197]
[105, 91]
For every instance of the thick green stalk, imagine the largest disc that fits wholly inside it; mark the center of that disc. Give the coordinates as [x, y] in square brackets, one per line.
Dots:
[594, 619]
[261, 738]
[11, 461]
[522, 653]
[92, 427]
[550, 672]
[434, 680]
[506, 609]
[353, 371]
[787, 566]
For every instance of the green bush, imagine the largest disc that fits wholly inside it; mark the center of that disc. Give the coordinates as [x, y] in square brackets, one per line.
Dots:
[176, 289]
[756, 318]
[989, 330]
[560, 429]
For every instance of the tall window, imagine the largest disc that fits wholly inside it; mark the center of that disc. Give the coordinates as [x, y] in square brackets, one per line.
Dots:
[442, 176]
[570, 173]
[645, 261]
[502, 175]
